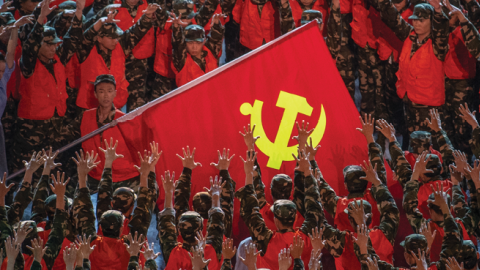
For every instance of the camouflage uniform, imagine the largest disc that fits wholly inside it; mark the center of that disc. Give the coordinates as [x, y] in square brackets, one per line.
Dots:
[468, 214]
[417, 113]
[133, 264]
[33, 135]
[475, 142]
[346, 62]
[116, 198]
[6, 231]
[188, 223]
[284, 210]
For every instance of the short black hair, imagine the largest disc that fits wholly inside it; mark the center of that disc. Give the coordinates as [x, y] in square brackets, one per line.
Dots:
[95, 89]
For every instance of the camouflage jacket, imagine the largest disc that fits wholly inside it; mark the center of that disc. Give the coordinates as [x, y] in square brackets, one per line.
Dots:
[6, 231]
[128, 40]
[133, 264]
[183, 190]
[227, 201]
[250, 213]
[329, 196]
[179, 45]
[334, 31]
[20, 202]
[402, 29]
[65, 50]
[105, 191]
[452, 240]
[445, 149]
[471, 38]
[470, 215]
[167, 232]
[55, 238]
[41, 193]
[475, 141]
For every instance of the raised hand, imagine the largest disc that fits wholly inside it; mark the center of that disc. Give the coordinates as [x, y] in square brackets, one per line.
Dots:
[198, 261]
[420, 167]
[357, 212]
[368, 123]
[49, 159]
[35, 162]
[155, 155]
[468, 116]
[296, 248]
[420, 260]
[303, 163]
[110, 152]
[144, 168]
[362, 238]
[372, 264]
[386, 129]
[223, 160]
[169, 187]
[70, 256]
[216, 18]
[45, 10]
[201, 240]
[250, 259]
[228, 249]
[454, 11]
[249, 167]
[6, 6]
[59, 186]
[455, 175]
[461, 162]
[4, 189]
[429, 234]
[21, 232]
[83, 244]
[310, 150]
[84, 166]
[37, 249]
[12, 248]
[316, 238]
[248, 137]
[177, 21]
[452, 264]
[315, 263]
[113, 8]
[136, 244]
[434, 122]
[284, 259]
[371, 173]
[151, 8]
[188, 159]
[436, 4]
[474, 173]
[440, 198]
[216, 186]
[303, 135]
[24, 20]
[148, 252]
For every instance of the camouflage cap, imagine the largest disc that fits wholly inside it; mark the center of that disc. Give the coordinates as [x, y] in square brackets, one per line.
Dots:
[419, 142]
[413, 242]
[202, 202]
[422, 11]
[190, 222]
[310, 15]
[285, 211]
[6, 18]
[352, 176]
[184, 7]
[110, 30]
[121, 199]
[50, 35]
[281, 187]
[52, 200]
[67, 5]
[367, 207]
[467, 254]
[433, 162]
[111, 221]
[194, 32]
[29, 224]
[104, 78]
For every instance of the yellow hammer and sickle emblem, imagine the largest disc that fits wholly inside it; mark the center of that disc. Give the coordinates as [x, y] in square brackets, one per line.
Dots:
[279, 150]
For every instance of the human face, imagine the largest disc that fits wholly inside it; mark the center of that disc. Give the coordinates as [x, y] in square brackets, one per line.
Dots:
[47, 50]
[105, 93]
[422, 27]
[28, 6]
[306, 2]
[108, 42]
[401, 5]
[195, 48]
[132, 3]
[3, 66]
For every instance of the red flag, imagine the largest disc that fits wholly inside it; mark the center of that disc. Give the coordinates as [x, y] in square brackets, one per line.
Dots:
[290, 79]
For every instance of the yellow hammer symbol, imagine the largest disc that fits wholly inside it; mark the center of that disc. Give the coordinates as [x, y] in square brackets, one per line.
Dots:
[279, 150]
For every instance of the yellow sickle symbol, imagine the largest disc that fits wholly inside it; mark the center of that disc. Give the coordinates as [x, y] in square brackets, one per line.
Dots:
[279, 151]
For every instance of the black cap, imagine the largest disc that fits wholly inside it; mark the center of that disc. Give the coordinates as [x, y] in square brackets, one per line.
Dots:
[104, 78]
[50, 35]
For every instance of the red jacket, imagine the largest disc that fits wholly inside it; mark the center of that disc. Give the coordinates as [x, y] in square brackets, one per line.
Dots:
[163, 51]
[94, 66]
[459, 63]
[255, 29]
[42, 94]
[110, 253]
[319, 5]
[122, 168]
[145, 47]
[437, 242]
[421, 76]
[191, 70]
[180, 259]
